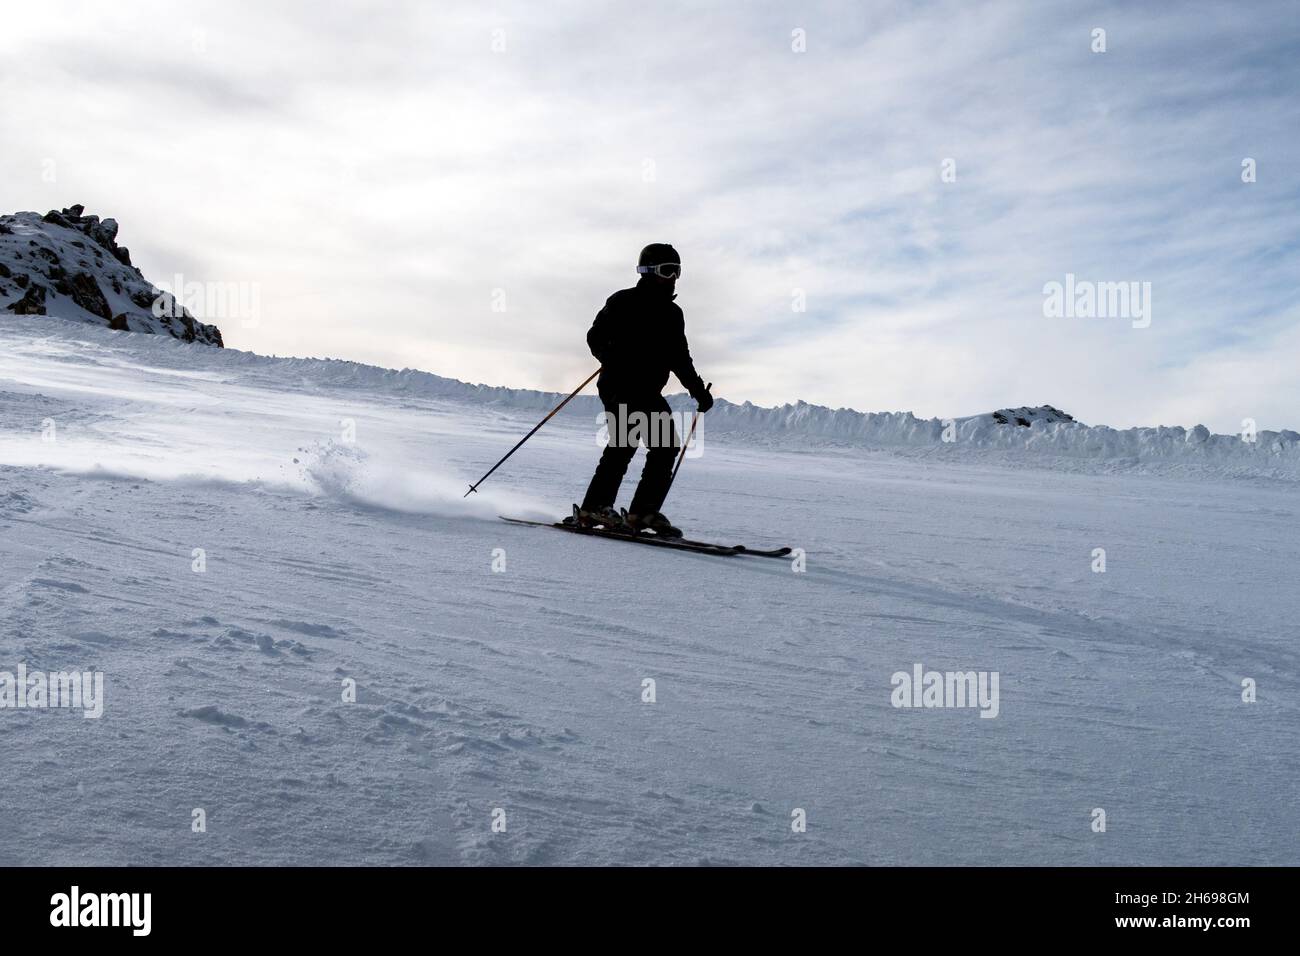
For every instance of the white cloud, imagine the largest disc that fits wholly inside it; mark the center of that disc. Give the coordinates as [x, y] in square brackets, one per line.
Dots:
[380, 171]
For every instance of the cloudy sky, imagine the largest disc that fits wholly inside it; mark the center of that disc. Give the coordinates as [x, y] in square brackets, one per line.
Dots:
[389, 176]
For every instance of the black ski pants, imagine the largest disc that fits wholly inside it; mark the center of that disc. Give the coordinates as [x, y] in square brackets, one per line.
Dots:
[634, 420]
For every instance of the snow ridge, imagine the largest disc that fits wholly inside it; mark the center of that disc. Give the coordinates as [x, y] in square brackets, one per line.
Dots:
[1038, 436]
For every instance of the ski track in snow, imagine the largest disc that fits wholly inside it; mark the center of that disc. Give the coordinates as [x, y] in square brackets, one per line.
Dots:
[522, 690]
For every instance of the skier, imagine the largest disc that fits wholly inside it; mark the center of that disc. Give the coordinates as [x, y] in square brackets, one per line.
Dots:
[639, 337]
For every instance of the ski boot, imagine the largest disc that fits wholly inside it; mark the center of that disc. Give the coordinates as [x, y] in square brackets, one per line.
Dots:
[606, 518]
[654, 522]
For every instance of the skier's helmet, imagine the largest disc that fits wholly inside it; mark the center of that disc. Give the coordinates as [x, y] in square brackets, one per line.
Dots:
[657, 253]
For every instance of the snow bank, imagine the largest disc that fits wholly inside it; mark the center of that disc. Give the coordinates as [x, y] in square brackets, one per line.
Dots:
[1041, 436]
[1048, 438]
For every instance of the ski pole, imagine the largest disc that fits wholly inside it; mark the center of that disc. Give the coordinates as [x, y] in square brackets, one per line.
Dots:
[689, 435]
[474, 487]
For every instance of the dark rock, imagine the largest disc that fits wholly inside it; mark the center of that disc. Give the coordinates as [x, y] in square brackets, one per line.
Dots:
[105, 233]
[33, 303]
[87, 294]
[21, 280]
[143, 299]
[57, 219]
[4, 271]
[56, 272]
[1025, 416]
[49, 255]
[118, 323]
[122, 255]
[76, 210]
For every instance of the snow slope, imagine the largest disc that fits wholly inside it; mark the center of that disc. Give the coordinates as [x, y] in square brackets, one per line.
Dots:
[326, 499]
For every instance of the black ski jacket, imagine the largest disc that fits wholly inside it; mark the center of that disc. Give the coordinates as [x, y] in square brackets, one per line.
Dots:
[639, 337]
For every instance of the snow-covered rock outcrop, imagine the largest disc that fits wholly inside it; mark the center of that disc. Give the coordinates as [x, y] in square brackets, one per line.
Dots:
[69, 265]
[1026, 416]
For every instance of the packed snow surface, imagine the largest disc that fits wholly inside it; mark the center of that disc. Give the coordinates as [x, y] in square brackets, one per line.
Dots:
[234, 541]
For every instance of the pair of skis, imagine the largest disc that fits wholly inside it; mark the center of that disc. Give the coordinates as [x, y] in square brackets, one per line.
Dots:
[645, 537]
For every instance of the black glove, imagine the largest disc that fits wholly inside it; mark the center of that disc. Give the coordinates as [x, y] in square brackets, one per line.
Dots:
[704, 400]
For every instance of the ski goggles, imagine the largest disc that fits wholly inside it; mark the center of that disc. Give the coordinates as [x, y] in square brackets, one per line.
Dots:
[664, 270]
